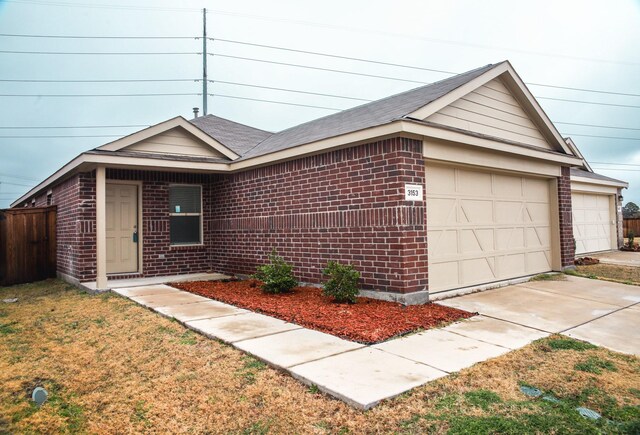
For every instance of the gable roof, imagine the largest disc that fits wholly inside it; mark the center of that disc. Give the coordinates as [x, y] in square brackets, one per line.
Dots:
[239, 137]
[363, 116]
[162, 127]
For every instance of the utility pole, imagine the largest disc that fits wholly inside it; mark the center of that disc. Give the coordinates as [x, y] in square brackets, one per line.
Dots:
[204, 62]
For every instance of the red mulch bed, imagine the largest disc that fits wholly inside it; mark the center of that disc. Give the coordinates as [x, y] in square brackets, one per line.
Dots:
[367, 321]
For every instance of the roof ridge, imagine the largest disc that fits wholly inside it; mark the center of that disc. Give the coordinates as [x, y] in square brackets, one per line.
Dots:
[231, 120]
[385, 98]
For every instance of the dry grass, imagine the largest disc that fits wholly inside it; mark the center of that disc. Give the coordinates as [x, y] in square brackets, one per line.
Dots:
[625, 274]
[115, 367]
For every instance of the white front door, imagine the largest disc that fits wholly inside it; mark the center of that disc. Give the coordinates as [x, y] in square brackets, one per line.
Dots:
[122, 224]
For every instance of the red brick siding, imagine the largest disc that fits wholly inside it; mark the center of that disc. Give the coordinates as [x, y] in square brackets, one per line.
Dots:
[75, 199]
[567, 242]
[155, 223]
[346, 205]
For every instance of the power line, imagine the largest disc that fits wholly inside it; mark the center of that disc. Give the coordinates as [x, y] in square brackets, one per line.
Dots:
[315, 53]
[91, 53]
[22, 127]
[597, 91]
[62, 136]
[14, 35]
[16, 184]
[598, 126]
[17, 176]
[617, 169]
[320, 25]
[99, 95]
[317, 68]
[274, 47]
[613, 163]
[602, 137]
[98, 6]
[289, 90]
[275, 102]
[97, 81]
[588, 102]
[251, 59]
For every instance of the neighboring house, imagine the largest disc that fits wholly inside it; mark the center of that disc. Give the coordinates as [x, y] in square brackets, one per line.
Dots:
[436, 190]
[597, 208]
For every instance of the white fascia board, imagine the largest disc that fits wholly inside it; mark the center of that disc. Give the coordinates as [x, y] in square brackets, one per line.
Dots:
[459, 137]
[599, 182]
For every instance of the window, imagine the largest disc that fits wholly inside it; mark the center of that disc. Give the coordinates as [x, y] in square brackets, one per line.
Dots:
[185, 214]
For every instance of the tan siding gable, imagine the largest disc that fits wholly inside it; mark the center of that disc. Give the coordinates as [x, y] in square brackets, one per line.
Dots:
[491, 110]
[175, 141]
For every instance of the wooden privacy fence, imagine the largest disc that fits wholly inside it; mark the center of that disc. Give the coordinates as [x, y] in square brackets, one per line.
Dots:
[27, 245]
[631, 224]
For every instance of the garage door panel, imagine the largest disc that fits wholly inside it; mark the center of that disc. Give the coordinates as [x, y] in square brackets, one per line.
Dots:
[537, 213]
[441, 211]
[509, 238]
[477, 268]
[474, 241]
[592, 222]
[509, 212]
[506, 186]
[475, 211]
[502, 224]
[445, 243]
[443, 275]
[536, 189]
[538, 261]
[538, 237]
[474, 183]
[442, 180]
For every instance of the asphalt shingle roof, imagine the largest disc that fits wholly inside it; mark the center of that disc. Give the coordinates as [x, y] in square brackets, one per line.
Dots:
[578, 172]
[239, 137]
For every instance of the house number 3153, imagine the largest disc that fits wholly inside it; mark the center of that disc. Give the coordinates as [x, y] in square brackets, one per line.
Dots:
[413, 192]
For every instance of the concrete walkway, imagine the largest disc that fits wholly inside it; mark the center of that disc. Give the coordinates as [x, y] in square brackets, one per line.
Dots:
[357, 374]
[606, 314]
[619, 258]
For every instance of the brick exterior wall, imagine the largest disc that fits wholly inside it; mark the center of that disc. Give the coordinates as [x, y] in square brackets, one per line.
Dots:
[346, 205]
[567, 242]
[75, 199]
[155, 223]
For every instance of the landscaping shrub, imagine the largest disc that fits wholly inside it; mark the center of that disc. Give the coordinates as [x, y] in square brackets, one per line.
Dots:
[277, 275]
[631, 236]
[343, 282]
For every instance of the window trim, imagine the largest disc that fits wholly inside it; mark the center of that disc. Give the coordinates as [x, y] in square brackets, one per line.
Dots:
[201, 214]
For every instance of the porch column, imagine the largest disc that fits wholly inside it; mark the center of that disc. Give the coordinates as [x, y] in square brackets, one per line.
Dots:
[101, 229]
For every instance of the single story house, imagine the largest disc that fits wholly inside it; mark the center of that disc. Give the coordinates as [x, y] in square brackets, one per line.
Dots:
[441, 189]
[596, 203]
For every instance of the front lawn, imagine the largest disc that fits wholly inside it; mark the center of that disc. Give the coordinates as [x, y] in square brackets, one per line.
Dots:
[367, 321]
[112, 366]
[624, 274]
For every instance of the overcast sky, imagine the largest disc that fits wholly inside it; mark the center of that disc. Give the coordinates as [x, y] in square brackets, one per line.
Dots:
[579, 44]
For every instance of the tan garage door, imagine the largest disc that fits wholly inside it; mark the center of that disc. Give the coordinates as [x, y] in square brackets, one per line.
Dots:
[592, 222]
[485, 227]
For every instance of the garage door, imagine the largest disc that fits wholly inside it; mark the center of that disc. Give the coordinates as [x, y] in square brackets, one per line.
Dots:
[592, 222]
[485, 227]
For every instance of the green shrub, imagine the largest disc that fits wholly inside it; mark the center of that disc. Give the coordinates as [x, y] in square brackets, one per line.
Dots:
[343, 282]
[277, 275]
[631, 236]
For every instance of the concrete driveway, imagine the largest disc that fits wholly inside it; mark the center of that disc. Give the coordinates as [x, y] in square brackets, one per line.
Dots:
[603, 313]
[619, 258]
